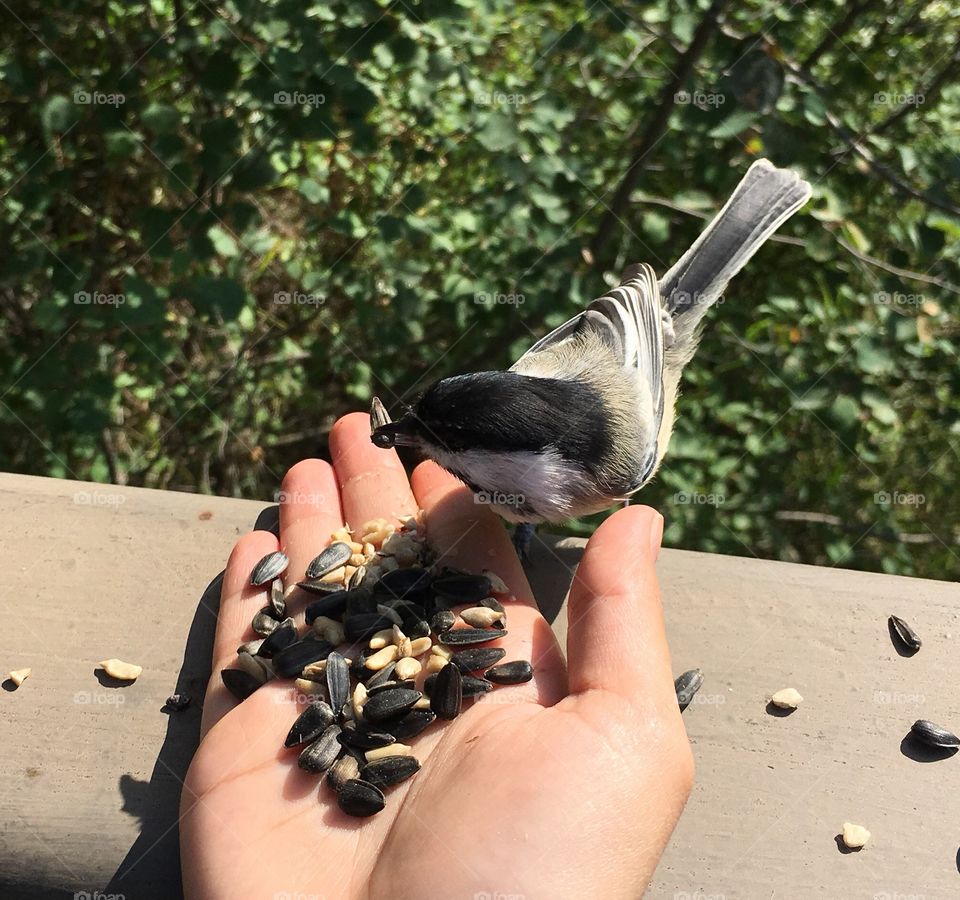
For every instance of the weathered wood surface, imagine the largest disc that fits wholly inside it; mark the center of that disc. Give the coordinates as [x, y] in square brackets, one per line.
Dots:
[91, 773]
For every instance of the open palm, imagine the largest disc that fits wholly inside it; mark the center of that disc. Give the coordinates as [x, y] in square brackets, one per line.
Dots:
[568, 786]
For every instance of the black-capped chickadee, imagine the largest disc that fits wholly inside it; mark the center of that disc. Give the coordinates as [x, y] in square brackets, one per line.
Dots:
[582, 420]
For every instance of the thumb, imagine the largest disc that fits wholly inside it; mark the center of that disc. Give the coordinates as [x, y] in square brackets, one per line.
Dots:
[616, 639]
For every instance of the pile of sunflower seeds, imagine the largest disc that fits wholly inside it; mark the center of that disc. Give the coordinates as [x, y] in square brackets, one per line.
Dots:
[392, 643]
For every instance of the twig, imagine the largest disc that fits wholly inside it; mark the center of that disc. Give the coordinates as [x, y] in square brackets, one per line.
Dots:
[882, 534]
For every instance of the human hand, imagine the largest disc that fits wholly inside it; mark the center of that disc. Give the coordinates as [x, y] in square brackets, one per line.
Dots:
[567, 786]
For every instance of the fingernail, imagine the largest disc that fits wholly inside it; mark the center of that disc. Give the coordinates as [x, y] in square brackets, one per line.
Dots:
[656, 535]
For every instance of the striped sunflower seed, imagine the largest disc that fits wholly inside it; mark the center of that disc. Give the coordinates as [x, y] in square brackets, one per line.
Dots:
[332, 606]
[272, 565]
[318, 756]
[336, 555]
[360, 798]
[382, 677]
[278, 605]
[343, 770]
[264, 623]
[686, 685]
[378, 415]
[310, 724]
[457, 637]
[389, 770]
[290, 661]
[240, 683]
[389, 704]
[933, 735]
[282, 636]
[463, 588]
[904, 633]
[446, 698]
[477, 658]
[515, 672]
[338, 681]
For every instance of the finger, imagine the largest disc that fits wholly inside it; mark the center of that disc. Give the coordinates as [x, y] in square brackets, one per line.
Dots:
[467, 535]
[309, 514]
[239, 601]
[373, 483]
[616, 639]
[471, 537]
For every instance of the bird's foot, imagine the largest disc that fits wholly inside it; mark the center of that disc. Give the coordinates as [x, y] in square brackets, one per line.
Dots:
[522, 539]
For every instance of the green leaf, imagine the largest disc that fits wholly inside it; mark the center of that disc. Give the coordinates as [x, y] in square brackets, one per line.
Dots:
[216, 295]
[223, 242]
[59, 113]
[498, 132]
[160, 118]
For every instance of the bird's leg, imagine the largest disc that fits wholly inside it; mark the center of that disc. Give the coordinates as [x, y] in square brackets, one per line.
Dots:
[522, 539]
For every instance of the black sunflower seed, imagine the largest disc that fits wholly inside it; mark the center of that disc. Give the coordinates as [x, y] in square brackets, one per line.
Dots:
[343, 770]
[477, 658]
[332, 605]
[322, 753]
[442, 620]
[378, 679]
[240, 683]
[362, 739]
[455, 637]
[282, 636]
[491, 603]
[447, 697]
[378, 416]
[904, 633]
[389, 704]
[309, 724]
[264, 622]
[411, 724]
[934, 735]
[316, 586]
[686, 685]
[389, 613]
[336, 555]
[515, 672]
[177, 702]
[412, 584]
[289, 661]
[338, 681]
[463, 588]
[361, 603]
[360, 798]
[416, 628]
[272, 565]
[278, 606]
[364, 625]
[470, 685]
[389, 770]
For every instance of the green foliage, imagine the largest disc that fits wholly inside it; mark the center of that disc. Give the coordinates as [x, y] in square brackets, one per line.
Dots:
[223, 226]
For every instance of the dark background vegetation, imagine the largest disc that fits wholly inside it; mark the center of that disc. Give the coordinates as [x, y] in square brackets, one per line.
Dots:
[436, 154]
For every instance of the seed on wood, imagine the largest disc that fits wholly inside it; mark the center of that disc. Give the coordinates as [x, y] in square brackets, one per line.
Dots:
[388, 750]
[492, 603]
[310, 724]
[342, 771]
[443, 620]
[19, 676]
[240, 683]
[322, 753]
[177, 702]
[788, 698]
[359, 798]
[338, 681]
[382, 658]
[254, 666]
[411, 724]
[378, 678]
[365, 740]
[389, 704]
[389, 770]
[282, 636]
[933, 735]
[330, 630]
[686, 685]
[463, 588]
[904, 633]
[855, 836]
[477, 658]
[408, 667]
[482, 617]
[332, 606]
[446, 698]
[122, 671]
[515, 672]
[456, 637]
[335, 556]
[362, 626]
[419, 646]
[272, 565]
[289, 662]
[278, 605]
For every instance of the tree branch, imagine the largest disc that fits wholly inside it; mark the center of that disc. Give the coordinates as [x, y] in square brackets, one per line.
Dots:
[837, 32]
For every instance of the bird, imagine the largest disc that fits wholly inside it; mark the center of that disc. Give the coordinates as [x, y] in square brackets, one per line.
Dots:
[582, 420]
